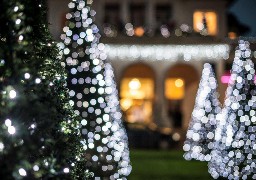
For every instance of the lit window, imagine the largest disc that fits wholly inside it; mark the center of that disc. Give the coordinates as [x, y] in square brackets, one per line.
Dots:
[174, 88]
[112, 14]
[210, 19]
[112, 22]
[136, 99]
[163, 13]
[137, 14]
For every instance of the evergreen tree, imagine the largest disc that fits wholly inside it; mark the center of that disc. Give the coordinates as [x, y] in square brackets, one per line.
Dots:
[39, 134]
[104, 141]
[235, 143]
[200, 134]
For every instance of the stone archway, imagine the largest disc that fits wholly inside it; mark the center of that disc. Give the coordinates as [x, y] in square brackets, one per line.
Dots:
[137, 92]
[180, 95]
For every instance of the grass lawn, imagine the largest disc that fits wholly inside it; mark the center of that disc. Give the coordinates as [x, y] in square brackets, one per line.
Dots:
[165, 165]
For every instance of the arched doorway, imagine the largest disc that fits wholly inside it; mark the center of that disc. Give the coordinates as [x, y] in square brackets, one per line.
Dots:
[180, 92]
[137, 93]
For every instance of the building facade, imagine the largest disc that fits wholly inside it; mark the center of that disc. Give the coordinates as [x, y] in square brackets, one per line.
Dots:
[157, 49]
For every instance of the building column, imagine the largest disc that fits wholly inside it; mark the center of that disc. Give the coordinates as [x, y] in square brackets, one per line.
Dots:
[160, 105]
[150, 19]
[222, 87]
[99, 7]
[125, 13]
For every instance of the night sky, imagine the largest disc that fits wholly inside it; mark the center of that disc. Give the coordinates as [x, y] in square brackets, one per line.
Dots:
[245, 11]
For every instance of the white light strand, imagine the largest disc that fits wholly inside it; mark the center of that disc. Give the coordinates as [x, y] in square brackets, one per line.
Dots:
[200, 134]
[174, 53]
[234, 154]
[119, 133]
[85, 57]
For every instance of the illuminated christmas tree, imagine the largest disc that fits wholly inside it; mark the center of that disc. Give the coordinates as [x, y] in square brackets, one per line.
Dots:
[119, 133]
[91, 91]
[200, 134]
[234, 156]
[39, 133]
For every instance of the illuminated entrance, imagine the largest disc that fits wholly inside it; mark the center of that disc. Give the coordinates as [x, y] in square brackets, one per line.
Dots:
[137, 94]
[180, 94]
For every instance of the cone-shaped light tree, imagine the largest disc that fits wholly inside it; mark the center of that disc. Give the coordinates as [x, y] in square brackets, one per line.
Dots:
[39, 134]
[119, 136]
[200, 134]
[236, 144]
[104, 138]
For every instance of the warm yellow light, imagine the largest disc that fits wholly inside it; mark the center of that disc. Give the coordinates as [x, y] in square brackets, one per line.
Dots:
[139, 31]
[134, 84]
[174, 88]
[137, 94]
[211, 21]
[126, 104]
[136, 99]
[179, 83]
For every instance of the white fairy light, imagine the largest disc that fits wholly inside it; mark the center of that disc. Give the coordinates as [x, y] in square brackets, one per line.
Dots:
[22, 172]
[37, 81]
[36, 168]
[18, 21]
[1, 146]
[21, 38]
[66, 170]
[16, 8]
[91, 95]
[12, 94]
[214, 52]
[11, 130]
[8, 122]
[27, 75]
[232, 156]
[198, 144]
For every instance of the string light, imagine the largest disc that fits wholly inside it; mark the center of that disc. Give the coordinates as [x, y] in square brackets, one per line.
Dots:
[233, 153]
[106, 142]
[12, 94]
[18, 21]
[8, 122]
[38, 81]
[11, 130]
[22, 172]
[36, 168]
[16, 8]
[200, 134]
[27, 75]
[214, 52]
[66, 170]
[1, 146]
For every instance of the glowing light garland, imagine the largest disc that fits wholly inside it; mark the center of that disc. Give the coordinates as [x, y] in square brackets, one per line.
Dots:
[234, 154]
[174, 53]
[200, 134]
[93, 95]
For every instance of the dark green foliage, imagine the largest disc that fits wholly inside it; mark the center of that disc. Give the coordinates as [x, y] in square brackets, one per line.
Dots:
[47, 132]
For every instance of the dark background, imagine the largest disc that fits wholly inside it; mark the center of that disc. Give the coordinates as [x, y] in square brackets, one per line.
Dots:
[245, 11]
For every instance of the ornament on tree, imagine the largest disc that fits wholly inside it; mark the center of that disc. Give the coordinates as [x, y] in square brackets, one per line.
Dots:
[39, 133]
[200, 134]
[92, 95]
[235, 149]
